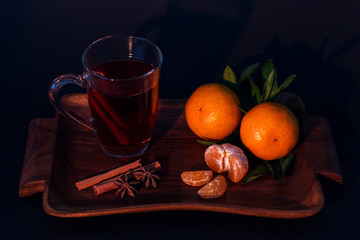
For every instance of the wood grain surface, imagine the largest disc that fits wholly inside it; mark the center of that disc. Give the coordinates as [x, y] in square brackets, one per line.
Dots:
[75, 155]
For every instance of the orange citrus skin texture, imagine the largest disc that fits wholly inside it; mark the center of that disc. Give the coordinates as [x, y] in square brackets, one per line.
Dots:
[212, 111]
[269, 130]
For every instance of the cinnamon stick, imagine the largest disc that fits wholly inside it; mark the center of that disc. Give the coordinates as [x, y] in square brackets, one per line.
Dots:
[101, 177]
[110, 184]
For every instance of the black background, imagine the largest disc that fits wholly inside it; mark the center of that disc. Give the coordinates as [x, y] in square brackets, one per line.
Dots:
[317, 40]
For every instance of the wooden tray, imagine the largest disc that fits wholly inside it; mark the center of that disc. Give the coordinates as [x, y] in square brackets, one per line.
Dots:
[60, 153]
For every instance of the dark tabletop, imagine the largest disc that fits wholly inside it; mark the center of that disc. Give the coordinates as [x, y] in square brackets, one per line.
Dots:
[317, 40]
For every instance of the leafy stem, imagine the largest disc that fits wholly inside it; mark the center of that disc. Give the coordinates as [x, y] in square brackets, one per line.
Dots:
[255, 85]
[277, 168]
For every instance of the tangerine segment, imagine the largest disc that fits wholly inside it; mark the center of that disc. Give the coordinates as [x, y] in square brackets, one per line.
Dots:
[214, 157]
[239, 167]
[214, 189]
[196, 178]
[230, 148]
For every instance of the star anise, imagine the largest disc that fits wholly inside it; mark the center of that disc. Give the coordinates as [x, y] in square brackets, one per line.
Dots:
[125, 186]
[146, 176]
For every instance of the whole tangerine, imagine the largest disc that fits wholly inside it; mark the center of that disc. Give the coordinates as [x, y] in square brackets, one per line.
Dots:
[269, 130]
[212, 112]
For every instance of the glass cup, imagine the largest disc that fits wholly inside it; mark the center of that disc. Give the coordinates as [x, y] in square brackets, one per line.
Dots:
[121, 76]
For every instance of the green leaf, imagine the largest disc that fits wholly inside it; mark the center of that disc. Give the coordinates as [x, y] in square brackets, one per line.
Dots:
[267, 86]
[284, 85]
[286, 161]
[276, 169]
[267, 68]
[279, 166]
[209, 143]
[287, 82]
[229, 75]
[255, 92]
[243, 110]
[260, 170]
[230, 79]
[274, 88]
[247, 72]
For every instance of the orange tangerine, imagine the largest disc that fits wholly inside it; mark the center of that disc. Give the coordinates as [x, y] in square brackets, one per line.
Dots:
[269, 130]
[212, 112]
[227, 158]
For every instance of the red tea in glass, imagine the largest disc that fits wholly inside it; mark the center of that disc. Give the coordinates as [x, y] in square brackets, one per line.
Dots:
[123, 122]
[122, 80]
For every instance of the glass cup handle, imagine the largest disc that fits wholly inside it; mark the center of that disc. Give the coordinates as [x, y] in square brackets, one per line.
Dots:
[53, 93]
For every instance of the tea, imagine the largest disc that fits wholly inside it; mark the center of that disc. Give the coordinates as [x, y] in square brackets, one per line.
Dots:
[123, 120]
[122, 91]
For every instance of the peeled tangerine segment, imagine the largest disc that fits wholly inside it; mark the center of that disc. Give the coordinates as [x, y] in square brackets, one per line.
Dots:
[214, 189]
[196, 178]
[214, 158]
[229, 148]
[238, 168]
